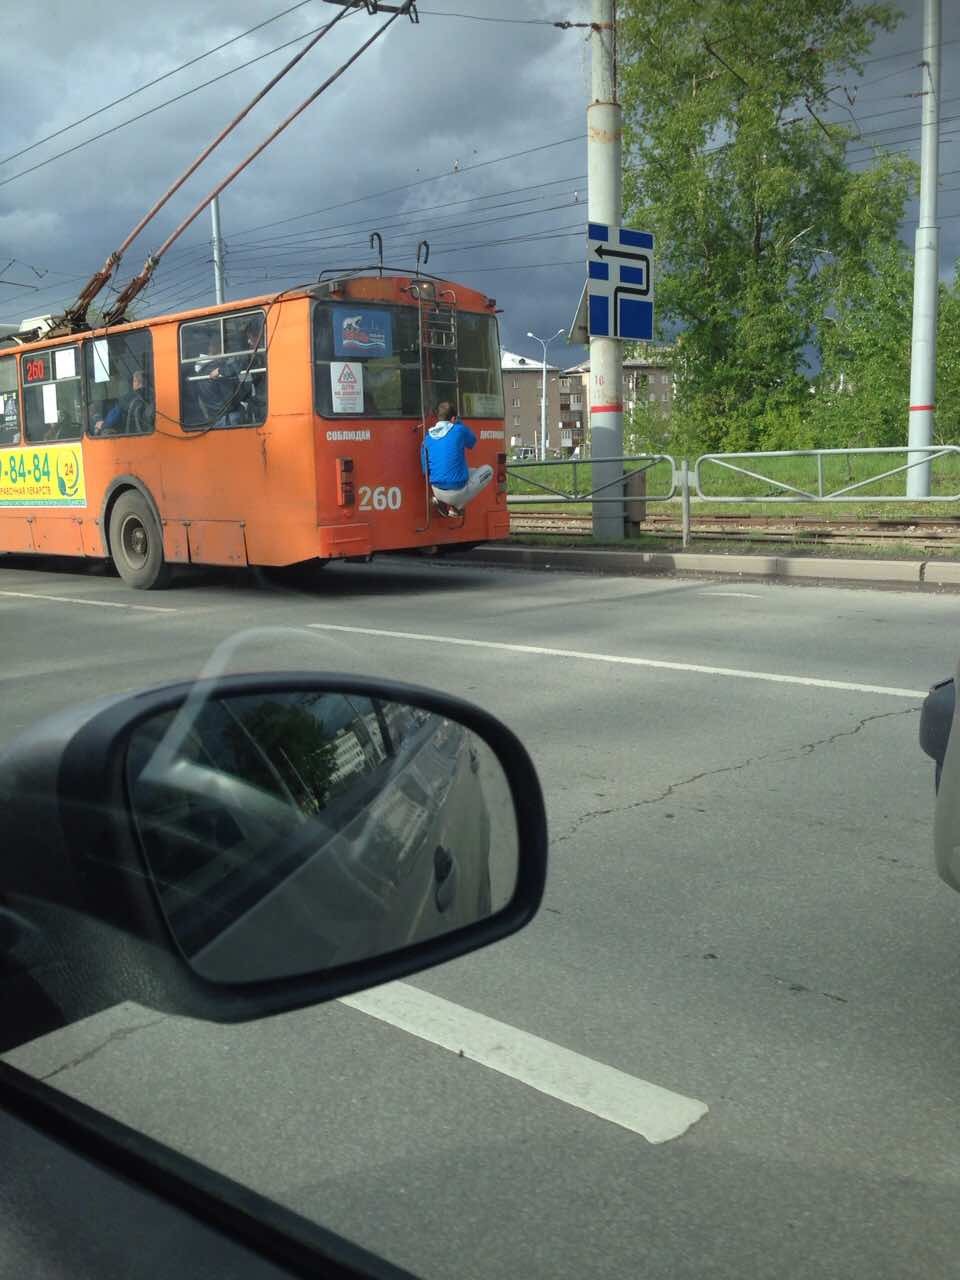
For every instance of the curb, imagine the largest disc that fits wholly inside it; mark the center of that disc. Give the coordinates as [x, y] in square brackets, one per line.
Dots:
[932, 573]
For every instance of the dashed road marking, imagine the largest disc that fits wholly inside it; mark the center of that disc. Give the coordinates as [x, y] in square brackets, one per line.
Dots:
[732, 595]
[695, 668]
[657, 1114]
[99, 604]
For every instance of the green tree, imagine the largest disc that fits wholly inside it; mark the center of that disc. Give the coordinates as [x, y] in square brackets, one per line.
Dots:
[284, 740]
[861, 394]
[759, 221]
[948, 363]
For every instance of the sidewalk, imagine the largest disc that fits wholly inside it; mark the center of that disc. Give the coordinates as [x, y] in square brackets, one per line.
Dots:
[938, 574]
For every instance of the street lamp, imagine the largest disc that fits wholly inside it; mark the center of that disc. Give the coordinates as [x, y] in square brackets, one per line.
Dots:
[544, 342]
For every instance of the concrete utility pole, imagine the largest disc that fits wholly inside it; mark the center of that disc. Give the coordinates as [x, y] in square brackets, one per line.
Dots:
[604, 198]
[217, 249]
[926, 265]
[544, 342]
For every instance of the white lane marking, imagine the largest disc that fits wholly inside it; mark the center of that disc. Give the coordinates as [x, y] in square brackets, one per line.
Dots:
[656, 1114]
[100, 604]
[772, 677]
[733, 595]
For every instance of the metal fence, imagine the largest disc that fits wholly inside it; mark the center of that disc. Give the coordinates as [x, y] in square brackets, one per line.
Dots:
[852, 491]
[573, 468]
[690, 484]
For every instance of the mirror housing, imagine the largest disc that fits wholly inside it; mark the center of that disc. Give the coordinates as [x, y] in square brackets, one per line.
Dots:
[936, 717]
[78, 880]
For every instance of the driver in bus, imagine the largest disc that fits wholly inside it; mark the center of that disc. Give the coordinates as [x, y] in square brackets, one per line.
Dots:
[443, 456]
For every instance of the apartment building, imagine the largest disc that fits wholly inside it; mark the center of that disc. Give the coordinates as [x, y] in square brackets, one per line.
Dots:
[522, 382]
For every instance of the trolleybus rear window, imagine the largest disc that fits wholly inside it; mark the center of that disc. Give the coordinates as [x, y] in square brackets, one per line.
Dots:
[367, 363]
[223, 371]
[52, 398]
[9, 401]
[478, 358]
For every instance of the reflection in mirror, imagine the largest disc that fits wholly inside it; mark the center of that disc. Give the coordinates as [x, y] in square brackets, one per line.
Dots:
[296, 831]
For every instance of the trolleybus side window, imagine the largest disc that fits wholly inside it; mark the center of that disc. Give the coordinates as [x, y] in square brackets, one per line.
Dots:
[481, 388]
[52, 394]
[119, 385]
[9, 401]
[223, 371]
[366, 360]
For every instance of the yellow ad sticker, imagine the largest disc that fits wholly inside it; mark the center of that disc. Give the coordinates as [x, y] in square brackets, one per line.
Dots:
[44, 476]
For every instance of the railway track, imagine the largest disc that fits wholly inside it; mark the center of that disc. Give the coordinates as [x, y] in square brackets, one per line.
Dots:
[923, 531]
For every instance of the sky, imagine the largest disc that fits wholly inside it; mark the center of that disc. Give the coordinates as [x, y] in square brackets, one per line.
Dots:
[467, 130]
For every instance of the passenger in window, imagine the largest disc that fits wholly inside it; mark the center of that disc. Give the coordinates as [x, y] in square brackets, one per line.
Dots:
[218, 390]
[131, 415]
[253, 391]
[443, 456]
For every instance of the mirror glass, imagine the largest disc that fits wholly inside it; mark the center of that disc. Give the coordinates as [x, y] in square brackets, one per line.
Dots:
[296, 831]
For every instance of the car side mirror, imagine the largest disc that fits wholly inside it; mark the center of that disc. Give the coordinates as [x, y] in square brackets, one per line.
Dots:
[936, 717]
[241, 846]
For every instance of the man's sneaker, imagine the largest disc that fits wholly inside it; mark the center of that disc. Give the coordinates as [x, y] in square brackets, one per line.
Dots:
[445, 509]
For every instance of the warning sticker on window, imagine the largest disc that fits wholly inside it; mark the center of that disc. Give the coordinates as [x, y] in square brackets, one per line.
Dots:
[346, 385]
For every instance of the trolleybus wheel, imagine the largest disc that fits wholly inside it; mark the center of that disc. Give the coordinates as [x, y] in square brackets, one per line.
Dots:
[136, 543]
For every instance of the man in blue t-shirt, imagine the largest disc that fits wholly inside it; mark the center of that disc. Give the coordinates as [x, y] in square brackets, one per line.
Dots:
[443, 457]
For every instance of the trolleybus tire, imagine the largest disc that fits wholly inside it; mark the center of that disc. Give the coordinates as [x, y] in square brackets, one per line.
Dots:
[136, 543]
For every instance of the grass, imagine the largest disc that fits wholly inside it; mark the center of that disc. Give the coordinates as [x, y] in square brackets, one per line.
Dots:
[801, 473]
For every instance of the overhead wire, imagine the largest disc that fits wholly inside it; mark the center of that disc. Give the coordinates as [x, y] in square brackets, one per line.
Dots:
[379, 223]
[135, 285]
[310, 245]
[105, 133]
[149, 84]
[409, 186]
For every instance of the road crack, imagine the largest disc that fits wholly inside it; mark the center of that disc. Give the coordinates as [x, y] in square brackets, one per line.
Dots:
[120, 1034]
[772, 757]
[808, 748]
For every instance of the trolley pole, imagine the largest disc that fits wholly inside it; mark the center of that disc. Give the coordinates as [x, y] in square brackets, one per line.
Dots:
[217, 249]
[604, 199]
[926, 263]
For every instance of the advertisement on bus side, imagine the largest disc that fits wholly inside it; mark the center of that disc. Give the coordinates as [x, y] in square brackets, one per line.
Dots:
[42, 476]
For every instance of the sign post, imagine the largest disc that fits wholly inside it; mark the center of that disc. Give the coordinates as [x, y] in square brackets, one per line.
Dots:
[604, 194]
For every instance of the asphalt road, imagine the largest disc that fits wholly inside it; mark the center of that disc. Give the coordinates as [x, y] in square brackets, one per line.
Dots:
[741, 910]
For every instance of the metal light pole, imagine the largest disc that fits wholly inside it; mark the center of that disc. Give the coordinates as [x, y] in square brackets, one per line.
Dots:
[926, 263]
[544, 342]
[604, 206]
[217, 249]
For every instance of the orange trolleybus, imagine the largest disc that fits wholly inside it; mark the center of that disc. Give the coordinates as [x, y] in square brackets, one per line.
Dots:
[273, 431]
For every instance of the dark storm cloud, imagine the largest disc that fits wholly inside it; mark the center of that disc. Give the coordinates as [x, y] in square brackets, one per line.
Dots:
[439, 98]
[436, 99]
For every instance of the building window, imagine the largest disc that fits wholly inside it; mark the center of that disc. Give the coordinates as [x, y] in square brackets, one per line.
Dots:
[516, 403]
[516, 382]
[516, 419]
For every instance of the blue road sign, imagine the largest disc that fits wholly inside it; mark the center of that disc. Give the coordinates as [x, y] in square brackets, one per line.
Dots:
[619, 283]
